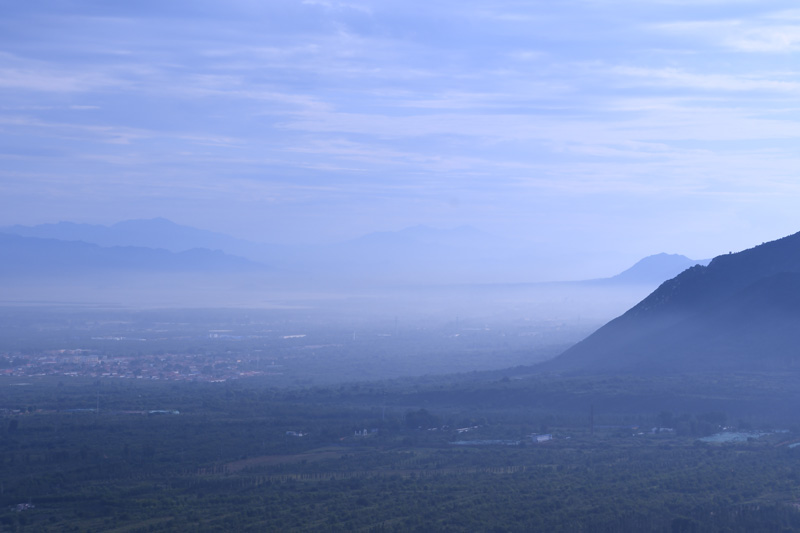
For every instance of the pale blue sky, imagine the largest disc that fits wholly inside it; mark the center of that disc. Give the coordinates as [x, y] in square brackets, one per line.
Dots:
[614, 126]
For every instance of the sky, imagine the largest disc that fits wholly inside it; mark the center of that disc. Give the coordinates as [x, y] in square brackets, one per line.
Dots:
[605, 126]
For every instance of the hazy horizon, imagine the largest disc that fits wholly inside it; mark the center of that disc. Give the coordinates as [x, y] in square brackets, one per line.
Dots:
[384, 265]
[589, 129]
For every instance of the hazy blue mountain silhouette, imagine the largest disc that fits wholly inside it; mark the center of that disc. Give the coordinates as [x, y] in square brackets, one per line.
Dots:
[741, 312]
[163, 233]
[147, 233]
[657, 268]
[418, 254]
[30, 257]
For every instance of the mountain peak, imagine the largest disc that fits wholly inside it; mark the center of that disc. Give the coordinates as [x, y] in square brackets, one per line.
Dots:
[657, 268]
[721, 316]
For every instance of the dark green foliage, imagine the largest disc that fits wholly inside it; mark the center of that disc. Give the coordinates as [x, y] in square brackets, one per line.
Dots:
[422, 419]
[226, 463]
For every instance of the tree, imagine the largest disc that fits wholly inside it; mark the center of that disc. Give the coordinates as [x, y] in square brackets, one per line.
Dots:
[422, 419]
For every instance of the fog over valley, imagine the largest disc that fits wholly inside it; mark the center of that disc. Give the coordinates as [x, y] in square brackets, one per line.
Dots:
[420, 319]
[399, 266]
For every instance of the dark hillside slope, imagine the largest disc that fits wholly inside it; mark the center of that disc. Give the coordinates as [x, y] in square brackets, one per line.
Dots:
[741, 312]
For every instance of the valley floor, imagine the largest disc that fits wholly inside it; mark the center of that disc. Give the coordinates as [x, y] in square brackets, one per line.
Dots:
[219, 457]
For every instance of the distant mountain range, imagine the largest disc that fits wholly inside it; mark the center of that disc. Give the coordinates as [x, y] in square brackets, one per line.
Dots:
[29, 257]
[414, 255]
[150, 233]
[418, 254]
[741, 312]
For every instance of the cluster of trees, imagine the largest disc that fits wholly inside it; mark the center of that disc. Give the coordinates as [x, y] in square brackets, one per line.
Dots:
[241, 457]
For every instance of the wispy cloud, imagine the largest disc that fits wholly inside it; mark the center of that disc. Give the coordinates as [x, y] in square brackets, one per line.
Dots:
[772, 32]
[776, 38]
[708, 82]
[513, 108]
[16, 73]
[338, 5]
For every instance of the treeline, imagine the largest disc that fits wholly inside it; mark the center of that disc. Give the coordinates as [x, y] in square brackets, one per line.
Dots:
[242, 457]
